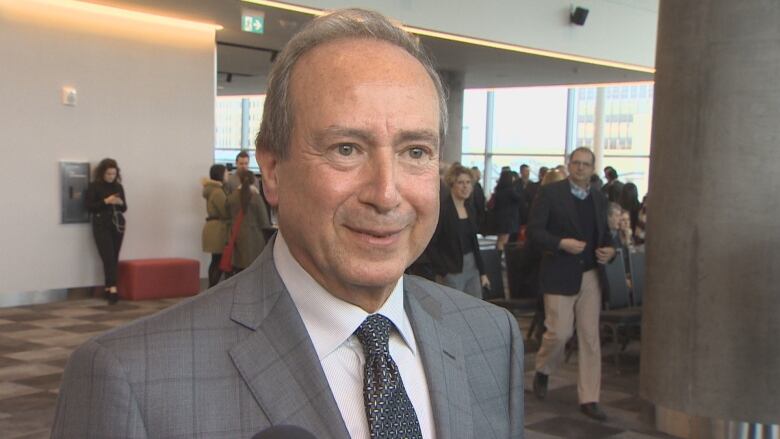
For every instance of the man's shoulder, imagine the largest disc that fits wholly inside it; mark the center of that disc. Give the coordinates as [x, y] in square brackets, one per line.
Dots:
[455, 307]
[555, 188]
[206, 314]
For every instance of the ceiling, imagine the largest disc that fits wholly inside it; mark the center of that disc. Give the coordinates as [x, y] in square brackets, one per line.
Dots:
[244, 59]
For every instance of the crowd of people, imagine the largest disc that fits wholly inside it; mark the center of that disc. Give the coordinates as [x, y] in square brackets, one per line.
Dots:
[237, 221]
[323, 328]
[570, 221]
[237, 227]
[324, 319]
[567, 216]
[323, 331]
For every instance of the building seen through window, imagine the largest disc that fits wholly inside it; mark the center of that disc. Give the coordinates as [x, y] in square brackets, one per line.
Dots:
[237, 121]
[536, 126]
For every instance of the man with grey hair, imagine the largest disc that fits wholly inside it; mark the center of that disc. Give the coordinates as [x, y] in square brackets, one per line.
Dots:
[323, 331]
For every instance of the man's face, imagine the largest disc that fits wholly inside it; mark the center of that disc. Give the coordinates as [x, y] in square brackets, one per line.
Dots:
[581, 168]
[242, 163]
[525, 173]
[358, 194]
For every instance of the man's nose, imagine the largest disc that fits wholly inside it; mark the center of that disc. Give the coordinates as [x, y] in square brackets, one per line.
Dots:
[380, 188]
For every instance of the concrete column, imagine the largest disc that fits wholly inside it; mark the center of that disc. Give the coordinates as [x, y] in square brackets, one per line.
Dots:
[245, 127]
[453, 141]
[711, 318]
[490, 110]
[599, 123]
[571, 120]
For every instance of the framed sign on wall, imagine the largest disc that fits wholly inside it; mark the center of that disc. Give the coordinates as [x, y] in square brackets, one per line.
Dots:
[74, 179]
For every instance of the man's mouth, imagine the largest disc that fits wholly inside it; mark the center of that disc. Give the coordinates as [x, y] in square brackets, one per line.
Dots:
[375, 233]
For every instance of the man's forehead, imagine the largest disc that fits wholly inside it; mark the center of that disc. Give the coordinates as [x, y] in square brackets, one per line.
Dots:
[357, 61]
[582, 156]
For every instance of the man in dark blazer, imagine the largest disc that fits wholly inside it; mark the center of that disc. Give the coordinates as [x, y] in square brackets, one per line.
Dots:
[569, 224]
[322, 331]
[613, 187]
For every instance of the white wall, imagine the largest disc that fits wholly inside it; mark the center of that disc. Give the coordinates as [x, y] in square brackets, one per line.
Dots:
[145, 98]
[616, 30]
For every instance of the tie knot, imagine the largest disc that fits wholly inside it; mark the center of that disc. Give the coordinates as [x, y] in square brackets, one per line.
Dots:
[374, 334]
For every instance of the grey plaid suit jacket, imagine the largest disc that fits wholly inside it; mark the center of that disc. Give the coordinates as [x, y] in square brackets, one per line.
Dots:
[237, 359]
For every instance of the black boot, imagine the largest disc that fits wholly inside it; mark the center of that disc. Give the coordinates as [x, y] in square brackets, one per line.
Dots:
[540, 385]
[112, 296]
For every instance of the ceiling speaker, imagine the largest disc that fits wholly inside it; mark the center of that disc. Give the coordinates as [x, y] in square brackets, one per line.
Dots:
[578, 16]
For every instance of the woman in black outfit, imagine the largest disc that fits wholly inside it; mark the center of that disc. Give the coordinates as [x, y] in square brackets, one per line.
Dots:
[507, 208]
[629, 201]
[105, 200]
[454, 249]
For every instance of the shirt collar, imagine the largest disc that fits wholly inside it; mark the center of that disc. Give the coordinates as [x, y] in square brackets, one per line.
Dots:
[329, 320]
[578, 191]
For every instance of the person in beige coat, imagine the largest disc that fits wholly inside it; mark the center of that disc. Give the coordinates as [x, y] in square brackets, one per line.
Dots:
[250, 241]
[215, 231]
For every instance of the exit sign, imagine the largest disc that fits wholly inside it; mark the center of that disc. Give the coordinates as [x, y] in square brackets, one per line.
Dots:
[253, 23]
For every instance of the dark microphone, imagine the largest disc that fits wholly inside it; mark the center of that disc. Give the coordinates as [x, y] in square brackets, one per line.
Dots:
[284, 432]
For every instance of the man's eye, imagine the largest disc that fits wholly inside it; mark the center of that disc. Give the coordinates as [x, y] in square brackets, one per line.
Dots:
[416, 153]
[346, 149]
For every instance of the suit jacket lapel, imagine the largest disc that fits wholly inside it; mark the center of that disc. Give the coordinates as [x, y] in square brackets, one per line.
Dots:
[277, 360]
[599, 223]
[568, 200]
[444, 362]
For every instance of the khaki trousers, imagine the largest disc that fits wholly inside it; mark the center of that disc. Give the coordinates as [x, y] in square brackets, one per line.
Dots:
[562, 313]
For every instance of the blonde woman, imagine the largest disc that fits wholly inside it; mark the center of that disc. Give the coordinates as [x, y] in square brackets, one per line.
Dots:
[454, 249]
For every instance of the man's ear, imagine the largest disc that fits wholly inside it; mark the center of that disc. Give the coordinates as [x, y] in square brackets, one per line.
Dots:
[268, 162]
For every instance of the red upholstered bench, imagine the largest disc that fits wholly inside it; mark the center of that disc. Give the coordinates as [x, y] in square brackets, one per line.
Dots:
[143, 279]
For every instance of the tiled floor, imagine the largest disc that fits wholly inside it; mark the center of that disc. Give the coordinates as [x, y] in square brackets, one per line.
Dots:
[35, 342]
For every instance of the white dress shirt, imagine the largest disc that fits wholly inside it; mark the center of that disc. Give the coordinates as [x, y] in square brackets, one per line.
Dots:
[331, 323]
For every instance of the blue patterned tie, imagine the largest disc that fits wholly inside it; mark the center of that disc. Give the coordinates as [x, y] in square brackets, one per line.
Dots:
[389, 411]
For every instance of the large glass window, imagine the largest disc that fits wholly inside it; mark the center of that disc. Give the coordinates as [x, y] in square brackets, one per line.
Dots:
[527, 126]
[511, 127]
[237, 121]
[474, 121]
[530, 121]
[228, 123]
[628, 112]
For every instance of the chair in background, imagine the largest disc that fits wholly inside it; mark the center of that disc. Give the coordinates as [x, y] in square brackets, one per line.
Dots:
[619, 315]
[522, 270]
[636, 260]
[521, 298]
[492, 261]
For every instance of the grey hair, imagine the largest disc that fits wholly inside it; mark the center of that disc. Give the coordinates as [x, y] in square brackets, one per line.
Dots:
[276, 127]
[614, 208]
